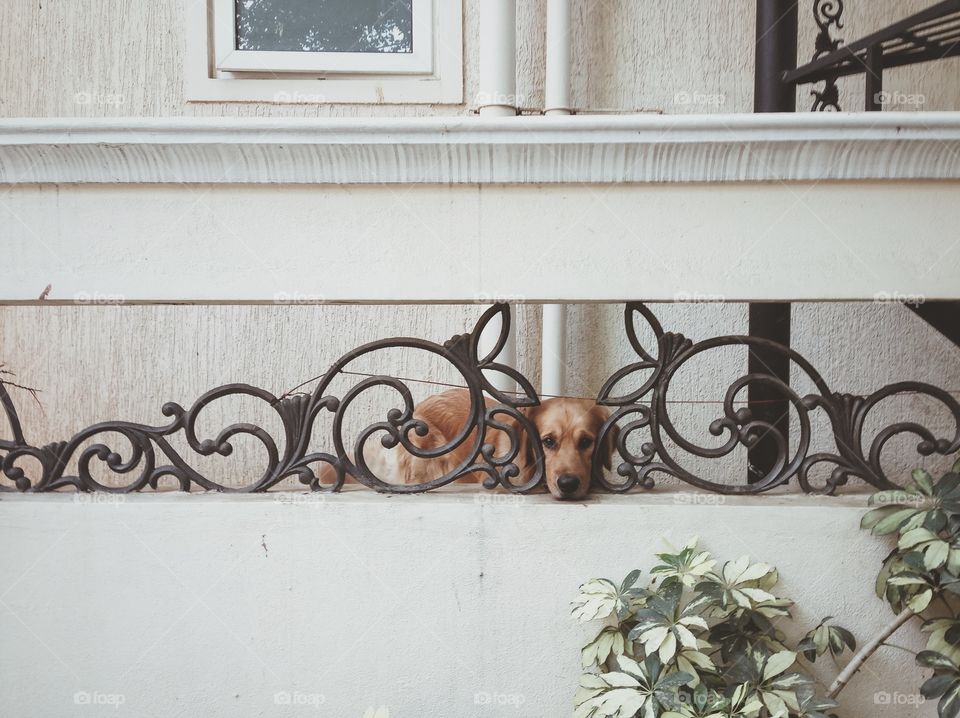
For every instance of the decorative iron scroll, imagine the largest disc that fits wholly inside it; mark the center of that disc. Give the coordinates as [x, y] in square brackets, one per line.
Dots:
[645, 409]
[149, 445]
[827, 14]
[152, 459]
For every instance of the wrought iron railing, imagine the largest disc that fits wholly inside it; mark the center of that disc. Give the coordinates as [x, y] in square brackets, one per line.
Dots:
[926, 36]
[152, 461]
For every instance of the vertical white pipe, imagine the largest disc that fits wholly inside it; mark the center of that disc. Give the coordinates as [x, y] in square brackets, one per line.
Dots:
[556, 102]
[498, 58]
[498, 98]
[557, 91]
[554, 350]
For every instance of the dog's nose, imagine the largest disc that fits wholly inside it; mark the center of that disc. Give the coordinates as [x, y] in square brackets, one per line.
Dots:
[568, 484]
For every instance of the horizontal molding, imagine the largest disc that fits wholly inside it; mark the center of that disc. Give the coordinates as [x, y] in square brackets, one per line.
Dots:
[470, 150]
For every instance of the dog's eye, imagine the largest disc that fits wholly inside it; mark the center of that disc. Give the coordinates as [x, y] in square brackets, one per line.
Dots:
[549, 442]
[584, 443]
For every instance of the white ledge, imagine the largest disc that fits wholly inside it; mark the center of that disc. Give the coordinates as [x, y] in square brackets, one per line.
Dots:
[681, 496]
[468, 150]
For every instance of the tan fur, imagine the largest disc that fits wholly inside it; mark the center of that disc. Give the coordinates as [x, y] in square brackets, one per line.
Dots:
[568, 430]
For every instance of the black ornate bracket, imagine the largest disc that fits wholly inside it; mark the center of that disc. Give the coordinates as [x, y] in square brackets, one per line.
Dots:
[153, 461]
[827, 14]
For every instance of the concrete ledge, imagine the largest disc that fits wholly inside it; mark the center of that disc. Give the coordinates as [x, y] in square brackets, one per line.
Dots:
[452, 604]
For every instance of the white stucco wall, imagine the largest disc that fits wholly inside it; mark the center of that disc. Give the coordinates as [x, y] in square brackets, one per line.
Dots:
[627, 56]
[436, 606]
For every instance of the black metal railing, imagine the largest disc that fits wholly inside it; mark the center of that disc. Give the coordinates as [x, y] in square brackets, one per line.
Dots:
[927, 36]
[152, 462]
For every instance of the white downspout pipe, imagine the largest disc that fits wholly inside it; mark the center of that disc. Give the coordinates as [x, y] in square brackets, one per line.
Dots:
[553, 351]
[498, 58]
[498, 98]
[557, 91]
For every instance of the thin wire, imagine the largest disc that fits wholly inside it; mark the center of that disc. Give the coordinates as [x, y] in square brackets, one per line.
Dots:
[552, 396]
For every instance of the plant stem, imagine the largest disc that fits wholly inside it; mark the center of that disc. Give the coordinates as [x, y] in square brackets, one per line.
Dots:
[900, 648]
[868, 650]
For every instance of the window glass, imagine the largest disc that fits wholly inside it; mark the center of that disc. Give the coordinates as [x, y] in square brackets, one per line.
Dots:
[325, 25]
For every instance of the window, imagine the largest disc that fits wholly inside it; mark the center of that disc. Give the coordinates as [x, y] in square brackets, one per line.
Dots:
[317, 51]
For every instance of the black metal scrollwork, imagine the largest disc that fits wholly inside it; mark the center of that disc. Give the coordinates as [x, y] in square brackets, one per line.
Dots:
[827, 14]
[149, 445]
[646, 410]
[152, 459]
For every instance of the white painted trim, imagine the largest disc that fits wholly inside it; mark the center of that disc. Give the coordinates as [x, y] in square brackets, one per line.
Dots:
[442, 85]
[644, 148]
[231, 59]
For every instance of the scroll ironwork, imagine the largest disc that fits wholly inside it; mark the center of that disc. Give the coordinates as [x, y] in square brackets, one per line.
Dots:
[150, 460]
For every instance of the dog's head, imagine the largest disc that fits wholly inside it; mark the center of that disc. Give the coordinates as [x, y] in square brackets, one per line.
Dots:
[569, 430]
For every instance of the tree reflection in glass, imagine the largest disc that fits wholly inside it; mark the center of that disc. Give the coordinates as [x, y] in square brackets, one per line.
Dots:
[325, 25]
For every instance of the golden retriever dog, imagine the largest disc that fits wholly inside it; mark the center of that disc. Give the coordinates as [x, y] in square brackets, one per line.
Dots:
[568, 430]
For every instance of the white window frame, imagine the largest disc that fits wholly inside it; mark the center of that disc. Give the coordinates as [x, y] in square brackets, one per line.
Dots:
[231, 59]
[215, 71]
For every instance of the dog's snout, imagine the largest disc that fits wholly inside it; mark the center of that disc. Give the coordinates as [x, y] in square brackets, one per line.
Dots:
[568, 484]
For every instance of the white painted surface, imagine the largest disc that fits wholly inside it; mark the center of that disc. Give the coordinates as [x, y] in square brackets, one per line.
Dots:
[213, 605]
[739, 241]
[577, 150]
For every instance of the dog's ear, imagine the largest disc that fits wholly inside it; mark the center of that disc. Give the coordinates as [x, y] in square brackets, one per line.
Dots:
[526, 453]
[610, 446]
